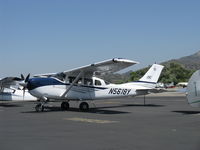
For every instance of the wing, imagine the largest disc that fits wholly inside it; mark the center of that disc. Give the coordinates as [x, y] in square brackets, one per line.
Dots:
[108, 66]
[9, 82]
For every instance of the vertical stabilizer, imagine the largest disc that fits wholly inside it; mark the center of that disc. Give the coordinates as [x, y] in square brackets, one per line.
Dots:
[152, 74]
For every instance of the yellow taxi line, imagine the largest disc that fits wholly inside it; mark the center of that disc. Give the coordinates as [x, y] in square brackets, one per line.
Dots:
[90, 120]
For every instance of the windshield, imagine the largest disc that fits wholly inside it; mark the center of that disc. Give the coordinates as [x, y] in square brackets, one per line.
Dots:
[106, 82]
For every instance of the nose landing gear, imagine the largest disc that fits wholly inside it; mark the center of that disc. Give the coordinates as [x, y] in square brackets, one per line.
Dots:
[39, 107]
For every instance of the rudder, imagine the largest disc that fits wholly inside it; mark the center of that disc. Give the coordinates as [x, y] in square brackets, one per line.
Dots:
[153, 74]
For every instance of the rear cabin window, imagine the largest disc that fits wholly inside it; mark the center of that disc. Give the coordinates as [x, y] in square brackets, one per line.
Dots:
[97, 82]
[88, 81]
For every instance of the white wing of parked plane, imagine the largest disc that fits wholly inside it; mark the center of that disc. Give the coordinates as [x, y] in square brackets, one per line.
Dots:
[11, 90]
[108, 66]
[9, 82]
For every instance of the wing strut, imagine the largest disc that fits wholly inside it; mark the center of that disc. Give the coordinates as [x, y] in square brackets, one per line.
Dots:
[76, 79]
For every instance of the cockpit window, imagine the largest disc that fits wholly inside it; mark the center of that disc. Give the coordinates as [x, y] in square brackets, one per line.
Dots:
[97, 82]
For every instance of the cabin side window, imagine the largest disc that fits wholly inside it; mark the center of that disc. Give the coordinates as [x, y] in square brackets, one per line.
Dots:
[84, 81]
[71, 79]
[88, 81]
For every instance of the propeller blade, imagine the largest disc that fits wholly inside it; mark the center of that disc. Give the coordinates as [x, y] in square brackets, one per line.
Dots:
[27, 78]
[22, 77]
[24, 83]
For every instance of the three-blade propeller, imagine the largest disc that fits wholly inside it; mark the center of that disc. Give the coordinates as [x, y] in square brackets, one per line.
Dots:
[24, 83]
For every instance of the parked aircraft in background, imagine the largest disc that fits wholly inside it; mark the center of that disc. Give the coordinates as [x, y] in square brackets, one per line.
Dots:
[193, 89]
[10, 90]
[182, 84]
[82, 85]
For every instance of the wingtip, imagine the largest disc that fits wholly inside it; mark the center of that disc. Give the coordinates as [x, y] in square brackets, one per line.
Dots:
[125, 60]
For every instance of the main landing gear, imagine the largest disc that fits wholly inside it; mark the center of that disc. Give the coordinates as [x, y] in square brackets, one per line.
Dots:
[64, 106]
[84, 106]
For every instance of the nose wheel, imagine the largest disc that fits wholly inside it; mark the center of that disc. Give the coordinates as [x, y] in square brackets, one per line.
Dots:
[39, 107]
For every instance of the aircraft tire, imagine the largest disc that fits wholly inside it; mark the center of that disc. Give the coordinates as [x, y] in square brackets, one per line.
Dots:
[64, 105]
[84, 106]
[39, 108]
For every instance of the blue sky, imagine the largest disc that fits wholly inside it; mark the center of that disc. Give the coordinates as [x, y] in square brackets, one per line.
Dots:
[41, 36]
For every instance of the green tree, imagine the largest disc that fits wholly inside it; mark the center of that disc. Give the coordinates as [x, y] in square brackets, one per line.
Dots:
[173, 72]
[135, 76]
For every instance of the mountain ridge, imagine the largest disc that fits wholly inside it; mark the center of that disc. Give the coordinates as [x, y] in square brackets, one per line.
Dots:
[191, 62]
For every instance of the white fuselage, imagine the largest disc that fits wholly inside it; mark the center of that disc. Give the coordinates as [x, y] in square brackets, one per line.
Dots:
[83, 86]
[90, 92]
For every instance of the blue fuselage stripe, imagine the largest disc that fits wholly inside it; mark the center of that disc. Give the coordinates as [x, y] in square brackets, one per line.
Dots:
[40, 82]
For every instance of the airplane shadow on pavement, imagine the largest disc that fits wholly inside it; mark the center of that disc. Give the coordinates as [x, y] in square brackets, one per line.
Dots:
[92, 110]
[187, 112]
[132, 105]
[10, 105]
[97, 110]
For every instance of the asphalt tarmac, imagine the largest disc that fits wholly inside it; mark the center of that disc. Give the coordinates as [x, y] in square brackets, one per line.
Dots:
[166, 123]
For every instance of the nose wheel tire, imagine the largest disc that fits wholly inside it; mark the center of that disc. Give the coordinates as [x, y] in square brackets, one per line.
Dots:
[84, 106]
[39, 108]
[64, 105]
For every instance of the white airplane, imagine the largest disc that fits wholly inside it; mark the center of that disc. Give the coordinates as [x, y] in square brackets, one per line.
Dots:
[82, 85]
[193, 90]
[10, 90]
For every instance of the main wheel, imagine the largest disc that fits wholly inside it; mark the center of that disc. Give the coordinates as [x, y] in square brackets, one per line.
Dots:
[39, 108]
[64, 105]
[84, 106]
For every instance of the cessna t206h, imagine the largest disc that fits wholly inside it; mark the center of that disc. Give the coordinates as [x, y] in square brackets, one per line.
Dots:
[81, 84]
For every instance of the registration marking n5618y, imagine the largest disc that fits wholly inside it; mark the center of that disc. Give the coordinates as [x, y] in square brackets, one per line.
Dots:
[91, 120]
